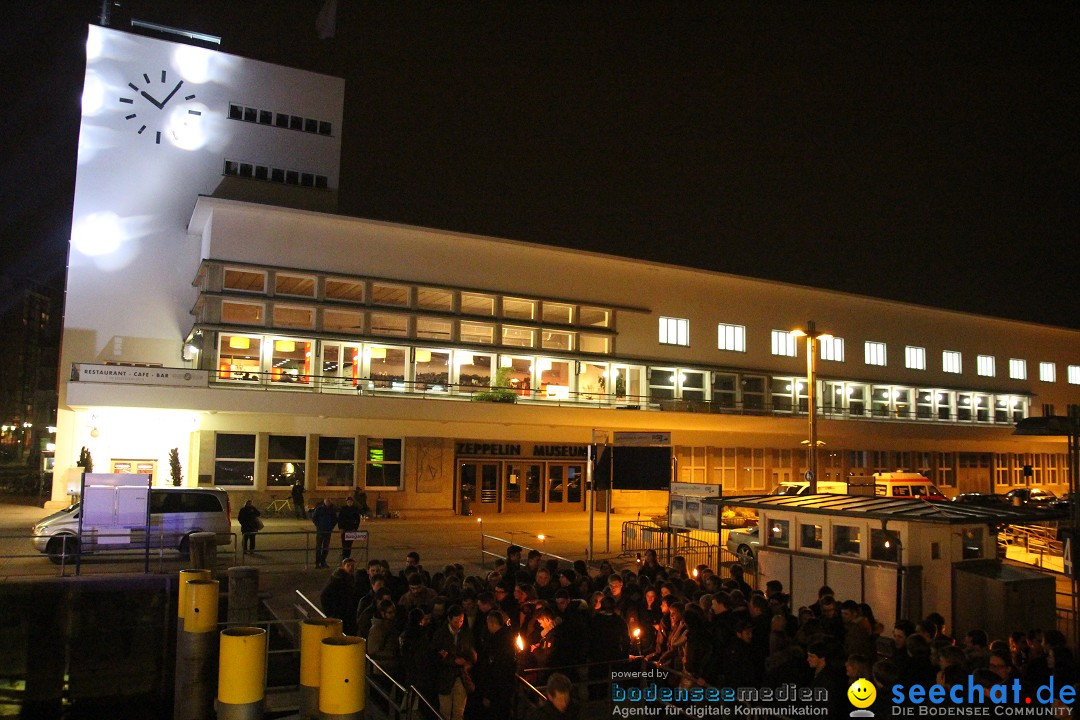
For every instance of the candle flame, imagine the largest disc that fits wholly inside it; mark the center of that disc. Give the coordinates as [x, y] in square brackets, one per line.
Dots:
[695, 572]
[637, 633]
[520, 643]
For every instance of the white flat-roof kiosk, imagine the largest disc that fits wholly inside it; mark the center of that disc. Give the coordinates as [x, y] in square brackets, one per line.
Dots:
[906, 558]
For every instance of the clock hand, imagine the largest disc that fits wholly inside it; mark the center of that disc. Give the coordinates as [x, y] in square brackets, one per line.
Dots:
[169, 96]
[152, 100]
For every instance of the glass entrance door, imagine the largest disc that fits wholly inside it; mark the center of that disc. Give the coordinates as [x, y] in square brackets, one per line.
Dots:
[521, 488]
[565, 487]
[478, 485]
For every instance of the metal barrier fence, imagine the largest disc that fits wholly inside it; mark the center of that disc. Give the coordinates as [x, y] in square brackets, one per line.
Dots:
[669, 543]
[485, 553]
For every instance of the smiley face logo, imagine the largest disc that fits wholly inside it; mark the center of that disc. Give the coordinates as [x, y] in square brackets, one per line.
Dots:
[862, 693]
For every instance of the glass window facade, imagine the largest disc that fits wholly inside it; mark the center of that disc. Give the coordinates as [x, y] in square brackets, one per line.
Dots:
[336, 461]
[382, 464]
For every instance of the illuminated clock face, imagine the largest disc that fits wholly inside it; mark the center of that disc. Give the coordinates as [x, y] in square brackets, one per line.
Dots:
[153, 101]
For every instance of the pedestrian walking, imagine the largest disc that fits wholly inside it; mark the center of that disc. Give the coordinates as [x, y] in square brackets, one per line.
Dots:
[248, 517]
[325, 520]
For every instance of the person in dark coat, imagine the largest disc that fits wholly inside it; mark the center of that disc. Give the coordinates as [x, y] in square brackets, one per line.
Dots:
[338, 598]
[560, 705]
[496, 668]
[325, 520]
[298, 499]
[417, 656]
[248, 517]
[349, 521]
[454, 648]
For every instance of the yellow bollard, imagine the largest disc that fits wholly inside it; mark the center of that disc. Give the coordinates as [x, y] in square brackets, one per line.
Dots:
[241, 674]
[182, 600]
[196, 656]
[342, 681]
[312, 632]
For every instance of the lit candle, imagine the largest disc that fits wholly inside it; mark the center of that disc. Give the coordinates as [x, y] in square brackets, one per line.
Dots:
[520, 643]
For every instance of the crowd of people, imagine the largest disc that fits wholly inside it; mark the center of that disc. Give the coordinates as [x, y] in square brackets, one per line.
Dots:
[461, 640]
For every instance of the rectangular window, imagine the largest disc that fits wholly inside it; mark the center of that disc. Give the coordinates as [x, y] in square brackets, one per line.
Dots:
[298, 285]
[477, 304]
[552, 312]
[285, 460]
[951, 362]
[390, 325]
[985, 365]
[692, 385]
[915, 357]
[731, 337]
[1048, 372]
[779, 532]
[294, 317]
[337, 461]
[518, 337]
[1074, 374]
[875, 353]
[594, 317]
[1018, 369]
[345, 290]
[343, 321]
[386, 366]
[389, 294]
[241, 313]
[783, 343]
[846, 540]
[674, 331]
[662, 383]
[552, 340]
[594, 343]
[753, 392]
[723, 390]
[479, 333]
[290, 361]
[434, 328]
[432, 370]
[473, 370]
[234, 459]
[245, 280]
[810, 537]
[884, 545]
[239, 358]
[382, 466]
[341, 361]
[519, 309]
[435, 299]
[832, 348]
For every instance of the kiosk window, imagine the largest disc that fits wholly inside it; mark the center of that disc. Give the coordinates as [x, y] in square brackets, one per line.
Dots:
[884, 545]
[846, 540]
[973, 544]
[810, 537]
[779, 533]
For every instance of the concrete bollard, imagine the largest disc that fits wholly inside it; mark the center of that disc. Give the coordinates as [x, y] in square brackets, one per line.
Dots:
[203, 549]
[342, 678]
[312, 632]
[182, 595]
[242, 674]
[196, 653]
[243, 595]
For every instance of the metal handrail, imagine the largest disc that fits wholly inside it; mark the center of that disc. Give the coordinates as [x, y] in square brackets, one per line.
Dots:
[310, 604]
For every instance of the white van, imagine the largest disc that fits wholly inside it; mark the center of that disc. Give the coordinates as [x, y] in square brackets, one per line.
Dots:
[175, 513]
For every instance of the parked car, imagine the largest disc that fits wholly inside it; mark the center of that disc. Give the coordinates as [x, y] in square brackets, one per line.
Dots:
[175, 513]
[1031, 496]
[744, 544]
[990, 500]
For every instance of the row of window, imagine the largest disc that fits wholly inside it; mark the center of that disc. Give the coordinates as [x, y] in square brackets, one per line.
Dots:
[333, 364]
[676, 331]
[400, 325]
[414, 297]
[235, 168]
[847, 540]
[279, 119]
[290, 457]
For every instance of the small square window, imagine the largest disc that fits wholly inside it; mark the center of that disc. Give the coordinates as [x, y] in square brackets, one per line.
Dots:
[1074, 374]
[875, 353]
[236, 112]
[1048, 372]
[307, 180]
[325, 128]
[674, 331]
[915, 357]
[246, 170]
[232, 167]
[250, 114]
[292, 177]
[281, 120]
[831, 348]
[262, 172]
[1018, 369]
[810, 537]
[266, 117]
[310, 125]
[277, 175]
[847, 540]
[779, 533]
[321, 182]
[985, 365]
[731, 337]
[783, 343]
[951, 362]
[296, 122]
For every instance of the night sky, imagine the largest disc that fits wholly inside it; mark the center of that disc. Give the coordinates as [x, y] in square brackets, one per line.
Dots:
[926, 153]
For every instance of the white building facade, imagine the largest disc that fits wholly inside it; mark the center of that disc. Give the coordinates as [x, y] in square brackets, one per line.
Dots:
[215, 305]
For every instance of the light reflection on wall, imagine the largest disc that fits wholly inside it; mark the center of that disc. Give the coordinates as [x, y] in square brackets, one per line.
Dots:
[97, 234]
[93, 97]
[194, 63]
[186, 131]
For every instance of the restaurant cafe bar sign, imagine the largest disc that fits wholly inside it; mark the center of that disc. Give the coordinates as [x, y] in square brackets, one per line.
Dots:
[539, 451]
[139, 375]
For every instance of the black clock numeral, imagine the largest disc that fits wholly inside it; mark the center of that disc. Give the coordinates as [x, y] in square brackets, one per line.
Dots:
[190, 97]
[133, 86]
[141, 129]
[146, 78]
[128, 117]
[129, 101]
[157, 140]
[194, 112]
[162, 76]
